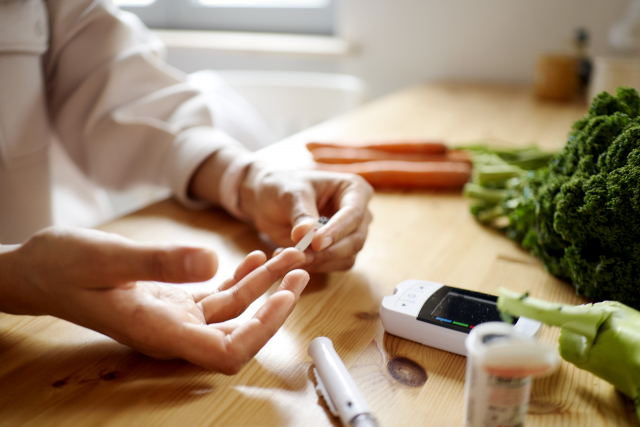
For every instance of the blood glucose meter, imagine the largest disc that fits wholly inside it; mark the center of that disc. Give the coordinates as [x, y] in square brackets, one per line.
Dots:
[442, 316]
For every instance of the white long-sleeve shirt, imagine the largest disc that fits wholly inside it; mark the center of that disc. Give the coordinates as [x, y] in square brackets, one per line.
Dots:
[93, 77]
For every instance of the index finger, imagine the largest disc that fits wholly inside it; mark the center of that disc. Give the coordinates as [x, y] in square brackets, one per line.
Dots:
[231, 302]
[351, 213]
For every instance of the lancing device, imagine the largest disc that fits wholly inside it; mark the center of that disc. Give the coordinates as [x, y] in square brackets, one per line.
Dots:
[306, 240]
[337, 387]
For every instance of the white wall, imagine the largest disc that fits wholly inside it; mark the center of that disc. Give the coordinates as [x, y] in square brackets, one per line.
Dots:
[405, 42]
[410, 41]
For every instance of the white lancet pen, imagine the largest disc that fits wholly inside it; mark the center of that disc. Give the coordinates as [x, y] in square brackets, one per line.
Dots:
[337, 387]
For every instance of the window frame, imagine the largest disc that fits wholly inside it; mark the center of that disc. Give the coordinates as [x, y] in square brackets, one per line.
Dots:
[188, 15]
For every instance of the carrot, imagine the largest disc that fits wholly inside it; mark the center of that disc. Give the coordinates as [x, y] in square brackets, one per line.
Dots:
[394, 173]
[403, 145]
[357, 155]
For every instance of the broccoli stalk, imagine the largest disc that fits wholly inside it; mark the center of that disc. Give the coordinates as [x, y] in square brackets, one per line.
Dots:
[602, 338]
[496, 173]
[488, 195]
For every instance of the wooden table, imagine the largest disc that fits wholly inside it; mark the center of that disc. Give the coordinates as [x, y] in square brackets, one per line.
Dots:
[55, 373]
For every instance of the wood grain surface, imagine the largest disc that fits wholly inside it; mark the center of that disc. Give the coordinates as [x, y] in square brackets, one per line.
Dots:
[55, 373]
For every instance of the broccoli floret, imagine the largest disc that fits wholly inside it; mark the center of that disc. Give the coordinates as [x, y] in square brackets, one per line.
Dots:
[580, 213]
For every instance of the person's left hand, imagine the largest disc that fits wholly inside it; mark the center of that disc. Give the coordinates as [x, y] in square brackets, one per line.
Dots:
[285, 204]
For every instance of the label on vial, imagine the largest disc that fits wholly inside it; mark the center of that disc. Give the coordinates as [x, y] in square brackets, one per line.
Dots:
[495, 401]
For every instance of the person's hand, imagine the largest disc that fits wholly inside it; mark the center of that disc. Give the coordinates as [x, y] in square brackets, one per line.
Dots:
[91, 278]
[286, 204]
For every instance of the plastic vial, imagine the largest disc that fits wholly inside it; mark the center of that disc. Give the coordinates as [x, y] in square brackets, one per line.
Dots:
[501, 363]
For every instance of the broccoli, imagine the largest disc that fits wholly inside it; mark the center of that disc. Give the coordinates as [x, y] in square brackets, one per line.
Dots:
[602, 338]
[580, 212]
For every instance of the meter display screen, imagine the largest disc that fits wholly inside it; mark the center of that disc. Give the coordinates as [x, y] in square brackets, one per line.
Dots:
[459, 309]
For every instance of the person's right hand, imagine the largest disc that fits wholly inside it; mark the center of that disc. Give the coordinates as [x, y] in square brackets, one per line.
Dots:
[92, 278]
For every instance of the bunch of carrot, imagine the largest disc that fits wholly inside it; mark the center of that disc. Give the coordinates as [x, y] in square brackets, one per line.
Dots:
[401, 163]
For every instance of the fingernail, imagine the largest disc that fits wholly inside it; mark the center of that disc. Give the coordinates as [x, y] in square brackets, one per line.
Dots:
[325, 243]
[198, 264]
[307, 221]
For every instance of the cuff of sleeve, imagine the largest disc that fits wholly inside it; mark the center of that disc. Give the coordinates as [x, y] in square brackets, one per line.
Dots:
[230, 182]
[190, 149]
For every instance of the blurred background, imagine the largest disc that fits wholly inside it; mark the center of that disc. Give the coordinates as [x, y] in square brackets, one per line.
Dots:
[301, 62]
[387, 44]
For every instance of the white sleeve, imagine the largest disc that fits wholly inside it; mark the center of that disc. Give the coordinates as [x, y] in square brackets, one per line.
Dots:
[123, 115]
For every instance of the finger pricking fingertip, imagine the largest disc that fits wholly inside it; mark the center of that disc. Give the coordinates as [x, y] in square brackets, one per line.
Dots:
[307, 221]
[302, 227]
[325, 243]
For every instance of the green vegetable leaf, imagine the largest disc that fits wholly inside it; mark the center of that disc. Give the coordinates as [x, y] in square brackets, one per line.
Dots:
[580, 211]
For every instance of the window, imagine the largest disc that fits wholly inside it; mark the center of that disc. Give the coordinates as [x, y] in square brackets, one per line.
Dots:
[282, 16]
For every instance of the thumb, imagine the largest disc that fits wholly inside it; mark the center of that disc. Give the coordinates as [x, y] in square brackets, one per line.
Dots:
[164, 263]
[92, 258]
[304, 213]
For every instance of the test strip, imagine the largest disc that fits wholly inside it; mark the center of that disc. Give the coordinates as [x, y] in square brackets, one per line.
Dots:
[306, 240]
